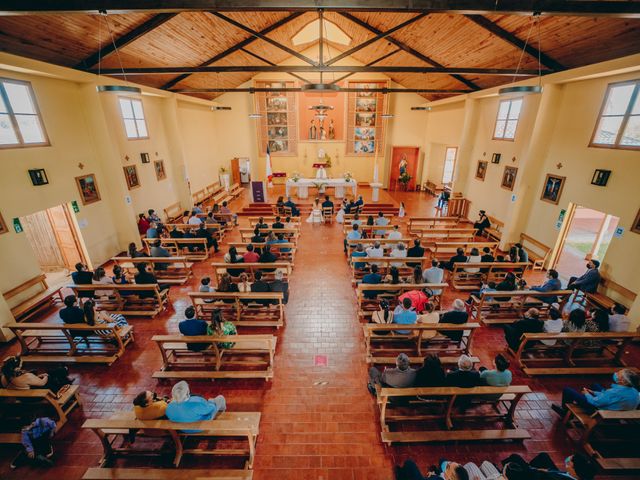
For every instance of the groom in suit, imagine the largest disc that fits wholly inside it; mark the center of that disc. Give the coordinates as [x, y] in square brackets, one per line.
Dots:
[294, 209]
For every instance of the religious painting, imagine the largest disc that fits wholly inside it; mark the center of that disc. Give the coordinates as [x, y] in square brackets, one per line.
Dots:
[276, 119]
[277, 127]
[509, 177]
[277, 133]
[636, 224]
[481, 169]
[495, 158]
[277, 104]
[3, 226]
[365, 128]
[365, 104]
[364, 147]
[145, 158]
[131, 175]
[88, 189]
[552, 190]
[158, 166]
[363, 134]
[404, 168]
[365, 119]
[276, 146]
[600, 177]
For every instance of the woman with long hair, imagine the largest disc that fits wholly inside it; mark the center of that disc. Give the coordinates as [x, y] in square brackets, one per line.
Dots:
[14, 376]
[393, 277]
[233, 257]
[225, 285]
[218, 327]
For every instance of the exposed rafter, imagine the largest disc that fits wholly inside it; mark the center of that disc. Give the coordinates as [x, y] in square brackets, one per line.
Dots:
[408, 49]
[269, 62]
[126, 39]
[371, 63]
[298, 89]
[509, 37]
[236, 47]
[628, 8]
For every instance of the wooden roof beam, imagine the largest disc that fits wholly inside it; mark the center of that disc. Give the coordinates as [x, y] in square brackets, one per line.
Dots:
[299, 89]
[235, 48]
[124, 40]
[409, 50]
[373, 62]
[509, 37]
[269, 62]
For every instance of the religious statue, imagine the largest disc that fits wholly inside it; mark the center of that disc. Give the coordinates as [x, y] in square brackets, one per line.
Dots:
[313, 133]
[403, 164]
[332, 130]
[323, 132]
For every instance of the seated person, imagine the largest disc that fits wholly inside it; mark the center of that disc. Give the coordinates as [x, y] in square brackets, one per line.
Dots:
[542, 467]
[486, 287]
[277, 223]
[621, 396]
[243, 285]
[554, 324]
[257, 238]
[175, 233]
[451, 471]
[394, 234]
[458, 315]
[221, 328]
[358, 252]
[71, 313]
[399, 251]
[530, 323]
[102, 317]
[82, 276]
[486, 257]
[233, 257]
[280, 239]
[225, 211]
[404, 315]
[523, 255]
[267, 257]
[419, 299]
[288, 223]
[416, 275]
[148, 406]
[119, 276]
[212, 221]
[381, 221]
[354, 234]
[375, 251]
[431, 374]
[143, 224]
[197, 209]
[14, 376]
[428, 317]
[327, 203]
[483, 222]
[145, 276]
[158, 251]
[402, 376]
[36, 443]
[464, 376]
[132, 251]
[416, 251]
[435, 274]
[371, 278]
[618, 320]
[153, 216]
[356, 220]
[393, 277]
[459, 257]
[294, 209]
[187, 408]
[500, 375]
[278, 285]
[205, 287]
[474, 257]
[359, 202]
[225, 285]
[260, 286]
[589, 281]
[194, 219]
[577, 321]
[203, 232]
[250, 255]
[153, 231]
[551, 284]
[193, 327]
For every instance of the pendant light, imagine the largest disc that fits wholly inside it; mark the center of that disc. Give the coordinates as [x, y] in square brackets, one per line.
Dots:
[112, 88]
[514, 90]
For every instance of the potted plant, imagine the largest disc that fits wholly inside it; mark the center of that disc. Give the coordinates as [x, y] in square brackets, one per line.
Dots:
[404, 179]
[295, 176]
[347, 176]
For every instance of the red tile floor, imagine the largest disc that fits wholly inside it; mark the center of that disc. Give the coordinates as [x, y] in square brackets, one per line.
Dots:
[318, 421]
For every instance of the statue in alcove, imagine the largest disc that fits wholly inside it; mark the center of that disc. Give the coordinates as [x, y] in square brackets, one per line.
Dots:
[332, 130]
[313, 132]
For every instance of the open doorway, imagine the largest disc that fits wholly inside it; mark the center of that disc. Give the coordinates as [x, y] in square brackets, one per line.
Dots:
[587, 236]
[55, 241]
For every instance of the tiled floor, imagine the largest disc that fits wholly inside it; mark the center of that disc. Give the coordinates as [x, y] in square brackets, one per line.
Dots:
[318, 422]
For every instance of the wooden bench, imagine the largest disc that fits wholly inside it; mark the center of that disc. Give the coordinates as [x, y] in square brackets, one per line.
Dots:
[390, 292]
[242, 425]
[218, 233]
[26, 401]
[385, 243]
[236, 190]
[446, 250]
[573, 353]
[276, 248]
[509, 306]
[221, 197]
[286, 268]
[421, 223]
[461, 279]
[137, 300]
[372, 231]
[384, 265]
[177, 270]
[243, 309]
[432, 235]
[437, 404]
[291, 234]
[538, 252]
[269, 219]
[611, 430]
[199, 197]
[180, 247]
[58, 342]
[607, 287]
[431, 188]
[36, 302]
[495, 230]
[173, 212]
[376, 334]
[251, 356]
[95, 473]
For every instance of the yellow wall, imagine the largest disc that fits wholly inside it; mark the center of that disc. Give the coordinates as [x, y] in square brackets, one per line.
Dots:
[439, 136]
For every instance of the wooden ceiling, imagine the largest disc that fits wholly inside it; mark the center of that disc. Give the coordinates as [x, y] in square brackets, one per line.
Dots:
[192, 39]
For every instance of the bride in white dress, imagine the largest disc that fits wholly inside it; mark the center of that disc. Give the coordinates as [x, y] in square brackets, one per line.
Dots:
[316, 212]
[340, 215]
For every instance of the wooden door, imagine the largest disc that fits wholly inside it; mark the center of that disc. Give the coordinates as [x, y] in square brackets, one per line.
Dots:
[235, 170]
[65, 236]
[41, 237]
[405, 159]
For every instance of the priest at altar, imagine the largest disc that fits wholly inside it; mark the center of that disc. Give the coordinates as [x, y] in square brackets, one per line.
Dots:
[321, 174]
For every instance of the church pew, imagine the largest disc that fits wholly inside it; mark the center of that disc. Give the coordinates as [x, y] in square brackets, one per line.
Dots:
[218, 233]
[600, 299]
[371, 230]
[385, 243]
[417, 224]
[611, 429]
[348, 217]
[492, 308]
[221, 197]
[243, 309]
[291, 234]
[490, 271]
[250, 268]
[42, 399]
[376, 334]
[276, 249]
[495, 230]
[574, 353]
[432, 235]
[60, 343]
[390, 292]
[251, 356]
[96, 473]
[136, 300]
[178, 270]
[236, 190]
[446, 250]
[538, 252]
[180, 247]
[269, 219]
[395, 408]
[241, 425]
[35, 303]
[384, 265]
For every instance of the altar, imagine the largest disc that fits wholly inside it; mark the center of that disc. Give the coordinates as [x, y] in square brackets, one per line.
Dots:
[303, 184]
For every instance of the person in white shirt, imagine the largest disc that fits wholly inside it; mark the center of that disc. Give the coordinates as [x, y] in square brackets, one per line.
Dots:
[356, 220]
[399, 251]
[554, 324]
[381, 221]
[394, 234]
[474, 257]
[375, 251]
[429, 317]
[618, 321]
[435, 274]
[194, 219]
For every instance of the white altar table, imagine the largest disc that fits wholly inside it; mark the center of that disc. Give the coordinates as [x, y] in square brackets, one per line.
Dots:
[303, 184]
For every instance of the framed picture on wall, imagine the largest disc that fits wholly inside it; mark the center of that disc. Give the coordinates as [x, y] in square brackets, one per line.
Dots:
[634, 228]
[3, 226]
[131, 175]
[495, 158]
[159, 168]
[88, 188]
[145, 158]
[481, 169]
[509, 177]
[552, 189]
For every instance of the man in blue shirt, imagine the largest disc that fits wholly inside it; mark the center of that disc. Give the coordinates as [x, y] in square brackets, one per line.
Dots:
[352, 235]
[552, 284]
[381, 221]
[623, 395]
[295, 212]
[372, 278]
[187, 408]
[192, 326]
[404, 315]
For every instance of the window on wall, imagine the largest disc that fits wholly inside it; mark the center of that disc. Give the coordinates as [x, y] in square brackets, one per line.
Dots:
[133, 116]
[449, 164]
[507, 121]
[619, 122]
[20, 121]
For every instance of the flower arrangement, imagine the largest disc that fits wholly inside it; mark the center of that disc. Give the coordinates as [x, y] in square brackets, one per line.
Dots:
[405, 178]
[295, 176]
[222, 170]
[347, 176]
[320, 186]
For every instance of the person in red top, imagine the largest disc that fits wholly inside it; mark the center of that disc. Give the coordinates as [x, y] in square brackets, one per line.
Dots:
[419, 299]
[143, 224]
[250, 256]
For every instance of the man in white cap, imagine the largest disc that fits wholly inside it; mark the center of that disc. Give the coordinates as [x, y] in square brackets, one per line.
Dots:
[279, 285]
[186, 408]
[458, 315]
[402, 376]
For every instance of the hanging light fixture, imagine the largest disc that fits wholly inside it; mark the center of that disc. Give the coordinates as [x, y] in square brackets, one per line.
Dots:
[112, 88]
[526, 89]
[422, 108]
[387, 116]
